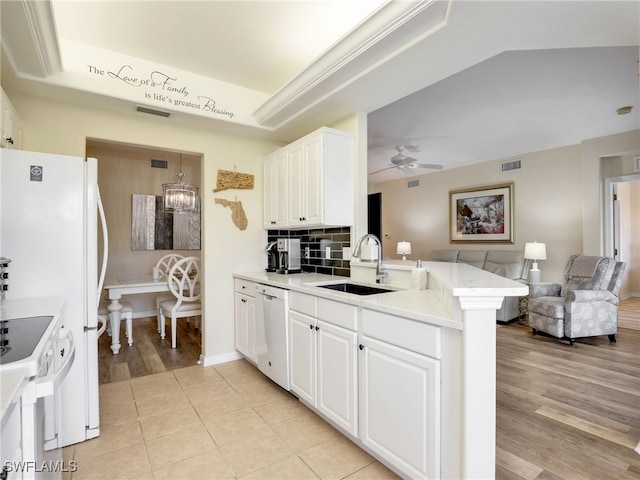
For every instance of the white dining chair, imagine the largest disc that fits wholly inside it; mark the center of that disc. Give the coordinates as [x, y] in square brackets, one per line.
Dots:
[184, 284]
[163, 266]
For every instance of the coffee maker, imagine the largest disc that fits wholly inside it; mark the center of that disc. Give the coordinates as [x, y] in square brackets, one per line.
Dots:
[273, 257]
[289, 255]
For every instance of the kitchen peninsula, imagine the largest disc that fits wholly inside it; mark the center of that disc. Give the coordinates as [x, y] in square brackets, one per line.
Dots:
[408, 375]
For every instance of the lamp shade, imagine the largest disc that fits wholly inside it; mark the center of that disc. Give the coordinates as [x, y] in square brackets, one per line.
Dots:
[404, 248]
[535, 251]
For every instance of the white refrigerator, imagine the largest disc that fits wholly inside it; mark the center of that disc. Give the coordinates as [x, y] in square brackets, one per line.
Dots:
[50, 224]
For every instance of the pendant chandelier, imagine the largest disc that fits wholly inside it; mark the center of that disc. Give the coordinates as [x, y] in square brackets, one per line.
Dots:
[179, 196]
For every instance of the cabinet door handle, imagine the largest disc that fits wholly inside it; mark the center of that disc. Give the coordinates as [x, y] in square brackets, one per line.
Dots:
[10, 140]
[317, 328]
[361, 347]
[311, 327]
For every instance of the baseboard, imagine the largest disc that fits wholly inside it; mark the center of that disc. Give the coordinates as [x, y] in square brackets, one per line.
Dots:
[152, 313]
[217, 359]
[627, 296]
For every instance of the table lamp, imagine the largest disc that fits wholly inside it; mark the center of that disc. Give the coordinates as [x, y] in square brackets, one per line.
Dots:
[404, 249]
[535, 251]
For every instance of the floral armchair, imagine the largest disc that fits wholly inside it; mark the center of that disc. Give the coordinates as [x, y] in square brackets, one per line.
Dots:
[584, 305]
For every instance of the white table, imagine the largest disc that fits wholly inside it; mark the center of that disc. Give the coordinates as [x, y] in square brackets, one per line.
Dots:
[128, 286]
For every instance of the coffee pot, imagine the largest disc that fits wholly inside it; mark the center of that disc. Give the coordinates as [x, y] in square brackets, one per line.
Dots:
[273, 257]
[289, 259]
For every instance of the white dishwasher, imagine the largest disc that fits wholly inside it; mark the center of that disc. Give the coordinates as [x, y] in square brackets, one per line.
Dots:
[272, 333]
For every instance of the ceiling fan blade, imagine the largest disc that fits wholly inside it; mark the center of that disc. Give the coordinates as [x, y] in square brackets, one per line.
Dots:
[433, 166]
[402, 159]
[378, 171]
[411, 148]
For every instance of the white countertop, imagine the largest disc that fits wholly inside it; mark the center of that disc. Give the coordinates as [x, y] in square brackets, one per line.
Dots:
[419, 305]
[14, 376]
[30, 307]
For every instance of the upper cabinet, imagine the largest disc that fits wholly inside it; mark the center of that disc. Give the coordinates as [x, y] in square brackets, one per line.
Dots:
[310, 182]
[276, 188]
[10, 124]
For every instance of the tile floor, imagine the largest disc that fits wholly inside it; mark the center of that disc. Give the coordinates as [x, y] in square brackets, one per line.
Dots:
[223, 422]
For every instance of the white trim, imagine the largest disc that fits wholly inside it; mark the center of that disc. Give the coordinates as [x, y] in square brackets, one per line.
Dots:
[388, 32]
[217, 359]
[150, 313]
[608, 209]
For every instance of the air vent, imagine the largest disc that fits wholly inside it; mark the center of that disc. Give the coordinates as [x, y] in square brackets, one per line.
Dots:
[413, 183]
[637, 164]
[152, 111]
[513, 165]
[159, 163]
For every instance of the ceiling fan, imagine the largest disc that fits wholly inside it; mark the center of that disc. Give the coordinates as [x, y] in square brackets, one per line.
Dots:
[406, 163]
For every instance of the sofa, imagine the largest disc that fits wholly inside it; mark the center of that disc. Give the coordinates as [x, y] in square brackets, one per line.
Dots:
[506, 263]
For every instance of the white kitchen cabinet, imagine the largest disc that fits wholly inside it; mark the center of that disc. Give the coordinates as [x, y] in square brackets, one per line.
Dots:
[245, 319]
[337, 375]
[11, 433]
[324, 367]
[302, 346]
[276, 190]
[306, 182]
[400, 397]
[320, 185]
[10, 124]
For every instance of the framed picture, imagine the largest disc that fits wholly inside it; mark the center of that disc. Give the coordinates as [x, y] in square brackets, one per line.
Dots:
[482, 214]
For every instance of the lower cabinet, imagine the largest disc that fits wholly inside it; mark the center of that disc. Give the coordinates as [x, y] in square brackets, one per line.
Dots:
[11, 441]
[324, 368]
[245, 319]
[383, 390]
[400, 404]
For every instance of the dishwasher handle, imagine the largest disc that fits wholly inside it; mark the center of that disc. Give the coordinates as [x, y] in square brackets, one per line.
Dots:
[270, 292]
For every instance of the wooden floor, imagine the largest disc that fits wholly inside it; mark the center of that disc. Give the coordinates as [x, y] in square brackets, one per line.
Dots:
[629, 313]
[149, 353]
[563, 412]
[567, 412]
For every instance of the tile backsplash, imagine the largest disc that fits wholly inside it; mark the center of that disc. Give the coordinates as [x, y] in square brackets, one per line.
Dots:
[317, 240]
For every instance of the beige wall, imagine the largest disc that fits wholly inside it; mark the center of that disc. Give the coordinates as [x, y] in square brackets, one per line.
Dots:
[546, 206]
[549, 204]
[57, 128]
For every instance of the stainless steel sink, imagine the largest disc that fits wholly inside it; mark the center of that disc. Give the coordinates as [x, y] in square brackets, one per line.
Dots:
[355, 288]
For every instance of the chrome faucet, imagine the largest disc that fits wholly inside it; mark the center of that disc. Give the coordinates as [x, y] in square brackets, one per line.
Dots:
[357, 252]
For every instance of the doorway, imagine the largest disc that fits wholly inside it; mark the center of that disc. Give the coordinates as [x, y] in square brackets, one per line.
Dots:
[125, 170]
[374, 215]
[622, 234]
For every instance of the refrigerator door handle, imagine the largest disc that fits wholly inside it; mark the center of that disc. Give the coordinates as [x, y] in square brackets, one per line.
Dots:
[103, 322]
[105, 249]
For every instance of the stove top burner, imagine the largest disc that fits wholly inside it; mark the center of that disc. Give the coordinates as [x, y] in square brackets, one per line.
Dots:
[19, 337]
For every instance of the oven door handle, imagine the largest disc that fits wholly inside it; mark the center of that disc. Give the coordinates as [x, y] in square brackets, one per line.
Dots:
[45, 386]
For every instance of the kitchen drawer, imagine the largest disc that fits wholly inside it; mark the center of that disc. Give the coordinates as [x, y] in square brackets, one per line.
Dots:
[303, 303]
[244, 286]
[336, 313]
[415, 336]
